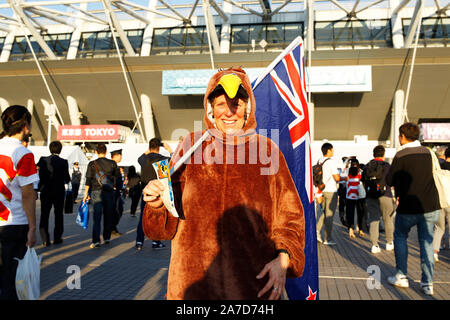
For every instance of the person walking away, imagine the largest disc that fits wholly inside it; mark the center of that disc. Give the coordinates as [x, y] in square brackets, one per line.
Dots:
[134, 189]
[418, 205]
[102, 177]
[330, 198]
[343, 172]
[116, 156]
[18, 200]
[379, 198]
[53, 175]
[353, 200]
[76, 181]
[444, 217]
[148, 174]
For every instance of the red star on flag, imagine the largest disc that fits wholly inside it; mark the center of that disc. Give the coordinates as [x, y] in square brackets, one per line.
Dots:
[312, 295]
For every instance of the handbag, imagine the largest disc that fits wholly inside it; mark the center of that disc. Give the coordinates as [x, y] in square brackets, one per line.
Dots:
[442, 181]
[361, 191]
[83, 215]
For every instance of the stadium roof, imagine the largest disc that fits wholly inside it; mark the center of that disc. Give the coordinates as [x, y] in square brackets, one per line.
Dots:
[37, 16]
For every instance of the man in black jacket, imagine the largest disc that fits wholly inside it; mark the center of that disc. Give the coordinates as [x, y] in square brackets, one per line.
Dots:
[418, 205]
[102, 179]
[53, 175]
[152, 155]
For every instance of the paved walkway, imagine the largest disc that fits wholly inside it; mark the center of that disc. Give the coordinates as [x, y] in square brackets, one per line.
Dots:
[119, 272]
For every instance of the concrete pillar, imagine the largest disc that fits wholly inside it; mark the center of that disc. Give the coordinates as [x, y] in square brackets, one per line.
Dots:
[210, 27]
[147, 116]
[4, 104]
[7, 47]
[76, 36]
[50, 111]
[311, 120]
[147, 38]
[225, 34]
[74, 112]
[309, 24]
[397, 116]
[30, 106]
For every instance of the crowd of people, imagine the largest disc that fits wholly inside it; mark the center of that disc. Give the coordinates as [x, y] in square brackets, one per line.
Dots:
[26, 181]
[401, 195]
[220, 208]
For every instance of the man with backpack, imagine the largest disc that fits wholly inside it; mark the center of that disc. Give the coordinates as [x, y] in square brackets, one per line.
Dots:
[325, 178]
[148, 173]
[379, 199]
[102, 179]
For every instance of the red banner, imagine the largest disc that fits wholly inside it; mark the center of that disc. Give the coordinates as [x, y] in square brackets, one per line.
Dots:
[89, 132]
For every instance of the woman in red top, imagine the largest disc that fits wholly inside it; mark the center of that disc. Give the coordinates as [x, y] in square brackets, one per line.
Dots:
[353, 201]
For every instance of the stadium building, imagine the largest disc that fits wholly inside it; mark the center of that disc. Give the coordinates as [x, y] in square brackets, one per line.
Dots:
[370, 64]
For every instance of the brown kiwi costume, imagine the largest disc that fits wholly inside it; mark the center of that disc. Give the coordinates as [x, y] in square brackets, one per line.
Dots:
[237, 207]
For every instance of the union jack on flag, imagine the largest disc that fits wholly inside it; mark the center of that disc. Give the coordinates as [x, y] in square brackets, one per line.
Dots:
[280, 93]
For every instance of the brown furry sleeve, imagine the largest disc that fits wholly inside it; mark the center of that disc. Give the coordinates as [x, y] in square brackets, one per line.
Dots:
[288, 227]
[159, 224]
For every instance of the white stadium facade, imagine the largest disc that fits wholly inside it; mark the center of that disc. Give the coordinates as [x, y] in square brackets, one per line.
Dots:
[371, 64]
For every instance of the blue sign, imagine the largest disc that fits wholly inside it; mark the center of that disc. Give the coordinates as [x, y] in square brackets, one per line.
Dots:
[182, 82]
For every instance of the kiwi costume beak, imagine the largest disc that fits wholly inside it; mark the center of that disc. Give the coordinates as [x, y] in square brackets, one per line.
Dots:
[230, 83]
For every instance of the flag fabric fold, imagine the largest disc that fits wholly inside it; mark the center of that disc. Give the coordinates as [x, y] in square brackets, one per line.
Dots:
[281, 107]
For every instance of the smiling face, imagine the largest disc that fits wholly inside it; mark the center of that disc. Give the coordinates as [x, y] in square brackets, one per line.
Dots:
[229, 114]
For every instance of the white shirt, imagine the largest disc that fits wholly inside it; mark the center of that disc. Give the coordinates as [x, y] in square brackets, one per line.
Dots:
[17, 169]
[329, 168]
[412, 144]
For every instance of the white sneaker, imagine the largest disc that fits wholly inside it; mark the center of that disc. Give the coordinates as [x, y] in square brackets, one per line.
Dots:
[319, 238]
[389, 246]
[427, 289]
[376, 249]
[399, 281]
[436, 257]
[329, 243]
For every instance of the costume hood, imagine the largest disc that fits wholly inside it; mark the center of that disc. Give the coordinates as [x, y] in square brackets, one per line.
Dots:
[230, 86]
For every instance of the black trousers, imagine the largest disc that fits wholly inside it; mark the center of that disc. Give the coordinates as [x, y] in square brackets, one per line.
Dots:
[13, 241]
[134, 203]
[75, 188]
[342, 198]
[118, 201]
[49, 200]
[350, 212]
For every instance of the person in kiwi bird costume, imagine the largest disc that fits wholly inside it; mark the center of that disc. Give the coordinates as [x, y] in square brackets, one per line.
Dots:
[241, 227]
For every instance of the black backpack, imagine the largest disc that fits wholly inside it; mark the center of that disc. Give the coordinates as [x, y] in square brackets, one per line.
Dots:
[106, 182]
[374, 181]
[318, 175]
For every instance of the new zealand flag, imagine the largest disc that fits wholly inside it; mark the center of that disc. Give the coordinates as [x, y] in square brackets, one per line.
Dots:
[280, 94]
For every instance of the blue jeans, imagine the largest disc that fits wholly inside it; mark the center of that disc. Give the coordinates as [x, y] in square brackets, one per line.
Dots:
[425, 230]
[103, 203]
[140, 233]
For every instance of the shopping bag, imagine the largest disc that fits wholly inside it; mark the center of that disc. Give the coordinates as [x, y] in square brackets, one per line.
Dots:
[68, 202]
[442, 181]
[83, 215]
[361, 191]
[28, 276]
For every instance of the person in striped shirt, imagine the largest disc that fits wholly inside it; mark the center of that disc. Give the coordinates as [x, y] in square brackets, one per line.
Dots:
[352, 199]
[18, 173]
